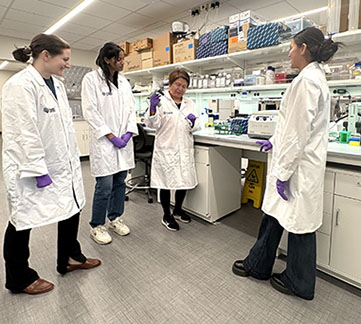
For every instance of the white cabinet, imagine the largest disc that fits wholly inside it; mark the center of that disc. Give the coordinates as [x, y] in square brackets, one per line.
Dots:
[219, 183]
[82, 136]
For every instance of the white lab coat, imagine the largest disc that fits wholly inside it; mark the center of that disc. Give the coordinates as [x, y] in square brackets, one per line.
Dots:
[299, 153]
[173, 165]
[108, 113]
[39, 139]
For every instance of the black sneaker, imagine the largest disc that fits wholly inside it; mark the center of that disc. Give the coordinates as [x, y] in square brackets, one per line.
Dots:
[170, 223]
[181, 216]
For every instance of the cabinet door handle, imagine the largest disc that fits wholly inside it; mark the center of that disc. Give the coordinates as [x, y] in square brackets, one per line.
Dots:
[337, 214]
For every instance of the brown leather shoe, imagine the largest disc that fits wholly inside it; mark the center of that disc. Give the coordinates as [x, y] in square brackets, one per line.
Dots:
[39, 286]
[88, 264]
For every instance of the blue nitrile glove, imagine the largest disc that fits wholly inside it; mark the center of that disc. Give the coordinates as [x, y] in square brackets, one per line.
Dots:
[154, 101]
[266, 145]
[43, 181]
[126, 137]
[281, 187]
[192, 119]
[118, 142]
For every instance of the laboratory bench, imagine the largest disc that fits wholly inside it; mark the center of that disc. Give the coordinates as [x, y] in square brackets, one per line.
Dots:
[218, 166]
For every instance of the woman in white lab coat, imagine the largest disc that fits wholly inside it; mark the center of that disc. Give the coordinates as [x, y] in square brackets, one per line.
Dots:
[173, 166]
[109, 107]
[41, 164]
[294, 190]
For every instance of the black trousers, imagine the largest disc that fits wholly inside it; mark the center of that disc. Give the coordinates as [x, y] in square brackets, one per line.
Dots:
[300, 273]
[165, 200]
[16, 253]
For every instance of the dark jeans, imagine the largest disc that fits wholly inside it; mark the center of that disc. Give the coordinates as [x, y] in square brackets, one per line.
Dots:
[300, 273]
[16, 253]
[165, 200]
[109, 196]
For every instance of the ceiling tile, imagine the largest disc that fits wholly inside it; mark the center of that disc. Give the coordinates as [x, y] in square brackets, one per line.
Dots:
[101, 34]
[132, 5]
[17, 34]
[19, 15]
[277, 11]
[306, 5]
[106, 11]
[69, 37]
[69, 4]
[221, 13]
[78, 29]
[116, 29]
[21, 26]
[158, 10]
[137, 20]
[90, 21]
[93, 41]
[2, 11]
[251, 4]
[5, 2]
[82, 45]
[40, 8]
[186, 4]
[180, 17]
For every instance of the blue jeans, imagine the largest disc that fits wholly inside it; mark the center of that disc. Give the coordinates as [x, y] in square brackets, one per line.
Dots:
[300, 273]
[109, 196]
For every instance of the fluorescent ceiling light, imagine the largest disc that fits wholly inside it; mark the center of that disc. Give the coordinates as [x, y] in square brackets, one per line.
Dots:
[68, 16]
[3, 64]
[306, 13]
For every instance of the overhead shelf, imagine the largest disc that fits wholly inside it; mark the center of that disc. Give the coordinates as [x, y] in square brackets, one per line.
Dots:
[351, 40]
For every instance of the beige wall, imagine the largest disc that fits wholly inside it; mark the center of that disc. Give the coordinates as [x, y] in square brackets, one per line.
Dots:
[4, 76]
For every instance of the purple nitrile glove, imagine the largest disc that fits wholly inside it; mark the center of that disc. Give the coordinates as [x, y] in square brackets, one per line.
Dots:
[154, 101]
[281, 187]
[126, 137]
[118, 142]
[266, 145]
[43, 181]
[192, 119]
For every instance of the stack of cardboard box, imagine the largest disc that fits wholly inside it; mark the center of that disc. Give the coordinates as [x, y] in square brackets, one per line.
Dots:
[239, 25]
[134, 58]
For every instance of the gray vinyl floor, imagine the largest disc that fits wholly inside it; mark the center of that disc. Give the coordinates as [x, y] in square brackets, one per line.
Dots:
[157, 276]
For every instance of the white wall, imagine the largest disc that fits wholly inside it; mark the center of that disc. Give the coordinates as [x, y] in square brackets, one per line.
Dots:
[4, 76]
[78, 57]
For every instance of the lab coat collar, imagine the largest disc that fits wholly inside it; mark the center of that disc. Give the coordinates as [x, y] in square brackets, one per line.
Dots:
[309, 67]
[37, 76]
[184, 100]
[102, 76]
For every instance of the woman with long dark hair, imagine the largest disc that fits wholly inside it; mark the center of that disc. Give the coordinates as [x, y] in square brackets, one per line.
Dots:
[294, 190]
[109, 107]
[41, 164]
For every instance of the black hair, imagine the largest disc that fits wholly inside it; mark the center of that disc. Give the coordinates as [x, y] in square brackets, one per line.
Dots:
[320, 49]
[109, 50]
[51, 43]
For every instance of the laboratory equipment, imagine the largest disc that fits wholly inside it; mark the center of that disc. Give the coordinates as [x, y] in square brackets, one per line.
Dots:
[354, 117]
[262, 124]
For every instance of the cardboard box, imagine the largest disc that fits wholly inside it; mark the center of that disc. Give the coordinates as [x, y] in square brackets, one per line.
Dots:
[132, 62]
[299, 24]
[147, 54]
[185, 51]
[143, 44]
[147, 64]
[125, 47]
[344, 15]
[131, 47]
[162, 49]
[233, 18]
[238, 43]
[249, 14]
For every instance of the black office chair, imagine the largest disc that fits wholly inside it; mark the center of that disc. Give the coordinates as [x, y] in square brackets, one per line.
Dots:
[143, 151]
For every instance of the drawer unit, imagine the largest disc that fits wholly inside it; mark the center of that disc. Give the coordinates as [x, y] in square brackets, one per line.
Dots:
[348, 185]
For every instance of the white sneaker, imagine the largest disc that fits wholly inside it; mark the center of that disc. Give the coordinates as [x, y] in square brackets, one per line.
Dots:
[119, 227]
[100, 235]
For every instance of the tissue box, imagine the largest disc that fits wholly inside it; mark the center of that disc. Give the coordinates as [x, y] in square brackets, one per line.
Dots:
[267, 35]
[219, 34]
[219, 48]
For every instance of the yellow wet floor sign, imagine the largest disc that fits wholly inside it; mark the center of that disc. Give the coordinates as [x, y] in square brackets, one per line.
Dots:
[254, 183]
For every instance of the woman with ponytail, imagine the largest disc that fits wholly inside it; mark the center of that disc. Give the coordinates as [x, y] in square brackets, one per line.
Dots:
[41, 164]
[294, 190]
[109, 107]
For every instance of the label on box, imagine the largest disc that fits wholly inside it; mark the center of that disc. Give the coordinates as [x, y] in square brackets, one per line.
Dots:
[167, 49]
[241, 36]
[190, 45]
